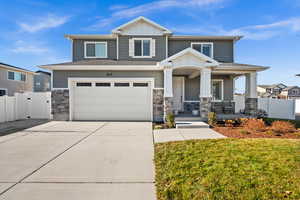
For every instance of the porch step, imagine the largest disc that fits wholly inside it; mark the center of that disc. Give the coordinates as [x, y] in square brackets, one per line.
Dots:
[191, 124]
[188, 119]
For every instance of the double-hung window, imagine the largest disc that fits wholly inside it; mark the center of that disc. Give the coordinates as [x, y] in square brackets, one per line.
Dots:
[217, 90]
[142, 47]
[205, 48]
[95, 49]
[16, 76]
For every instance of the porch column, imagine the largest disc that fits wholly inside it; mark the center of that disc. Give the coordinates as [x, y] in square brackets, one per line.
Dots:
[168, 90]
[251, 94]
[205, 92]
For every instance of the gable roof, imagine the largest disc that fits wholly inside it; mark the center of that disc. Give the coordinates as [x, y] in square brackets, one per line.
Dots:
[192, 51]
[11, 67]
[290, 87]
[144, 19]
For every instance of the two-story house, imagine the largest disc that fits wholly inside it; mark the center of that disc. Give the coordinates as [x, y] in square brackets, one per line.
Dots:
[291, 92]
[142, 71]
[270, 91]
[42, 81]
[14, 79]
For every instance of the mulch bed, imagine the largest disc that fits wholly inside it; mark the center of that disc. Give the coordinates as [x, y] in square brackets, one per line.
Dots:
[236, 132]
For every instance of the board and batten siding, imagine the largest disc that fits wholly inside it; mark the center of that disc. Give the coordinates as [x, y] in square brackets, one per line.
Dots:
[160, 48]
[78, 49]
[60, 77]
[222, 50]
[192, 87]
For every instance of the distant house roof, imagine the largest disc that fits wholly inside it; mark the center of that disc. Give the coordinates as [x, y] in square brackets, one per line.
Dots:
[43, 72]
[280, 85]
[11, 67]
[290, 87]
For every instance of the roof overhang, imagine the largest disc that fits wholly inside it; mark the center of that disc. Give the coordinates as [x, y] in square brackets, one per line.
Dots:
[195, 37]
[240, 67]
[92, 36]
[16, 69]
[104, 67]
[119, 29]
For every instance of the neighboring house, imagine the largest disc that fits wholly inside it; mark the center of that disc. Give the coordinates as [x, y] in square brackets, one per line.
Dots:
[42, 81]
[142, 71]
[270, 91]
[14, 79]
[291, 92]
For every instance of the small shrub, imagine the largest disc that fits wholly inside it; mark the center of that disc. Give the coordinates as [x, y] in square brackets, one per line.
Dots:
[170, 120]
[283, 127]
[244, 132]
[242, 121]
[255, 125]
[156, 127]
[229, 123]
[212, 119]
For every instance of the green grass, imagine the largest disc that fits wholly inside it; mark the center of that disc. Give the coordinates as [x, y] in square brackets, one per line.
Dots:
[228, 169]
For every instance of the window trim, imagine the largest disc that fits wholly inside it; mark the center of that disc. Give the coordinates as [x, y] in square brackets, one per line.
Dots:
[14, 76]
[222, 90]
[5, 89]
[94, 42]
[142, 49]
[201, 43]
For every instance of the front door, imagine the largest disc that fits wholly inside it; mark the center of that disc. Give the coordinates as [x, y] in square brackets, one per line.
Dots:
[178, 83]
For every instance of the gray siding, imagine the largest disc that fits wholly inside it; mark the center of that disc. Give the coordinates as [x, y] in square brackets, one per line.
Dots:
[78, 49]
[15, 86]
[160, 48]
[192, 88]
[60, 78]
[223, 50]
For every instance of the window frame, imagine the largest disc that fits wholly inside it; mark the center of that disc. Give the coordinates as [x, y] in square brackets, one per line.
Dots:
[203, 43]
[94, 42]
[142, 49]
[4, 89]
[21, 73]
[222, 90]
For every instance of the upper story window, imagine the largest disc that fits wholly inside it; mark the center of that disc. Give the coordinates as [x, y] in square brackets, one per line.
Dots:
[95, 49]
[16, 76]
[142, 47]
[205, 48]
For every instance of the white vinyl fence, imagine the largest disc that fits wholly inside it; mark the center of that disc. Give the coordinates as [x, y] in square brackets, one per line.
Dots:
[275, 108]
[33, 105]
[297, 110]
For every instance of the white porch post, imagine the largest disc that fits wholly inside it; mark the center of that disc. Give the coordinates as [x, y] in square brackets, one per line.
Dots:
[168, 91]
[168, 82]
[251, 93]
[205, 92]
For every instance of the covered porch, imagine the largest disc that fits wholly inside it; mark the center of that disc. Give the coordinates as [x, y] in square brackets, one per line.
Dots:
[195, 85]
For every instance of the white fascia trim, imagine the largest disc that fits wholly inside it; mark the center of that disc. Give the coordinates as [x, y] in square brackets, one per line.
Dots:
[16, 69]
[210, 43]
[195, 53]
[104, 67]
[93, 42]
[117, 30]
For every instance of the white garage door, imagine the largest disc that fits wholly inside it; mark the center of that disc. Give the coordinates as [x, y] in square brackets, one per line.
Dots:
[112, 100]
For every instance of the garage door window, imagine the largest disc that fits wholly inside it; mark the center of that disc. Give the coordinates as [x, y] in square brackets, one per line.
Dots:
[84, 84]
[121, 84]
[102, 84]
[140, 84]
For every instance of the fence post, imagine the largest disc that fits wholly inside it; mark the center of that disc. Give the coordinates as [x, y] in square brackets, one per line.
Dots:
[5, 108]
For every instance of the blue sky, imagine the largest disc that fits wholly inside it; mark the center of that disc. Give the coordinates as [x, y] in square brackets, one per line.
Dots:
[32, 31]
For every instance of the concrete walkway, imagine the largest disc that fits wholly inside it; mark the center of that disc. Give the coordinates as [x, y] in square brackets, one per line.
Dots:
[78, 160]
[168, 135]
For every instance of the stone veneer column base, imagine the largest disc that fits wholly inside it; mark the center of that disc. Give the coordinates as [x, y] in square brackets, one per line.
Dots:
[60, 104]
[205, 107]
[158, 105]
[251, 106]
[168, 106]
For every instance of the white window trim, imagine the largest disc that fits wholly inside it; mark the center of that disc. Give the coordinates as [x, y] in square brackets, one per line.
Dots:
[222, 89]
[212, 47]
[93, 42]
[17, 80]
[134, 39]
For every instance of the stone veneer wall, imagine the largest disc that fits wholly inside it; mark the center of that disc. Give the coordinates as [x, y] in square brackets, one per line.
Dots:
[205, 107]
[251, 105]
[190, 106]
[168, 106]
[158, 105]
[60, 104]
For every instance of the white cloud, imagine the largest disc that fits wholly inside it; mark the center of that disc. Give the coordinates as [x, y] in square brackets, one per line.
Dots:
[24, 47]
[253, 32]
[46, 22]
[153, 7]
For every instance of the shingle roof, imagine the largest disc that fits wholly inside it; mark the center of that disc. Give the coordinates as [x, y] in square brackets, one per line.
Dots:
[107, 62]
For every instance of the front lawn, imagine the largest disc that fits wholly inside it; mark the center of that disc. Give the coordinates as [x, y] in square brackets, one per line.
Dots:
[228, 169]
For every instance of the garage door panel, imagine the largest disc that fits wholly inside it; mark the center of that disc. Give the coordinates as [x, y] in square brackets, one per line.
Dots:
[112, 103]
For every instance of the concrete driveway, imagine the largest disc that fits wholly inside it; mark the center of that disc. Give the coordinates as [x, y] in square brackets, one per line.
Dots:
[78, 160]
